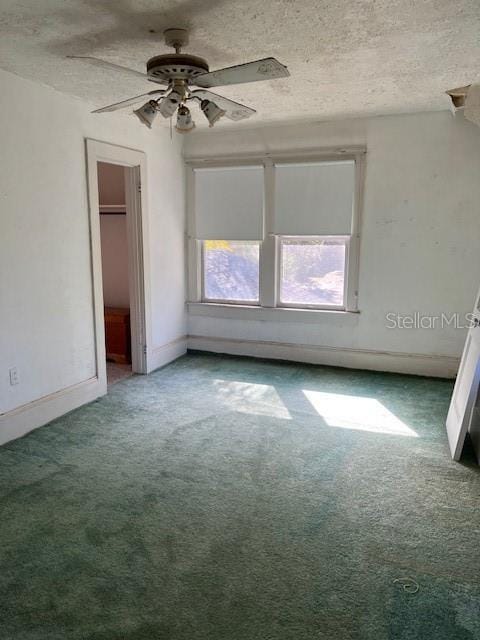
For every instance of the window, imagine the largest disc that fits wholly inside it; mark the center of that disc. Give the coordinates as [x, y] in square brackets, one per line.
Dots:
[276, 233]
[231, 271]
[312, 271]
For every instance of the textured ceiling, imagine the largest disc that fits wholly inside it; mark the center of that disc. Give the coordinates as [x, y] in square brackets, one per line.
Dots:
[346, 57]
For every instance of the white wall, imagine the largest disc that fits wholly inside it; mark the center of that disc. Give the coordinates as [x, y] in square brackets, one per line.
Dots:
[419, 247]
[46, 312]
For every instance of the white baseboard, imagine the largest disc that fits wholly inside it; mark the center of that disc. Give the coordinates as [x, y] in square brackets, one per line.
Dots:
[166, 353]
[19, 421]
[417, 364]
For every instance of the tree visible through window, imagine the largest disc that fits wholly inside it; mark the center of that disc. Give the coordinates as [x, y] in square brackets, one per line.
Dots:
[231, 270]
[312, 272]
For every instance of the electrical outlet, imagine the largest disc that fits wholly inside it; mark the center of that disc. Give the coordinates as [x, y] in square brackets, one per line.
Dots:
[14, 377]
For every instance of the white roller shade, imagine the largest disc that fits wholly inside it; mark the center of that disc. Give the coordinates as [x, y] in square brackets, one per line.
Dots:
[229, 203]
[314, 198]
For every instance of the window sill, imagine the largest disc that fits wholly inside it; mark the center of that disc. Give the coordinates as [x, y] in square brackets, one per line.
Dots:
[273, 314]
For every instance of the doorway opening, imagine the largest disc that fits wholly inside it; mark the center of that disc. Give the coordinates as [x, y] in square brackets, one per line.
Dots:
[118, 218]
[115, 270]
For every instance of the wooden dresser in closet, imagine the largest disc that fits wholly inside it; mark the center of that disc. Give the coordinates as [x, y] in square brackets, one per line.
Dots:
[117, 335]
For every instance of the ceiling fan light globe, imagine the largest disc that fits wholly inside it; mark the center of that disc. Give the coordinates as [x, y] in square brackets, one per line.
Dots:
[167, 108]
[169, 104]
[212, 112]
[147, 113]
[184, 120]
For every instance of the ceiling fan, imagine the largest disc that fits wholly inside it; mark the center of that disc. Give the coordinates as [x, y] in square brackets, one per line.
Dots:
[180, 72]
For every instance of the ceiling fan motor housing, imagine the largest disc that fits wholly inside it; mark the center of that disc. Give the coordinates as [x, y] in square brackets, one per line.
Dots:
[176, 66]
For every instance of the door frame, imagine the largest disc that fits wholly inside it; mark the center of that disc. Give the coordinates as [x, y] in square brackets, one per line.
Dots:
[137, 238]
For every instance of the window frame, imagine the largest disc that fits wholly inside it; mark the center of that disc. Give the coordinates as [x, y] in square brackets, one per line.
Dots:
[241, 303]
[325, 307]
[270, 260]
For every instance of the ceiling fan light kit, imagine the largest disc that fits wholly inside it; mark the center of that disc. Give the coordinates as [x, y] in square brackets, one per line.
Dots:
[179, 72]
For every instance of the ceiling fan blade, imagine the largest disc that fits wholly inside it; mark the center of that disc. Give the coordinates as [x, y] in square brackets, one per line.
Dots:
[109, 65]
[265, 69]
[129, 101]
[234, 110]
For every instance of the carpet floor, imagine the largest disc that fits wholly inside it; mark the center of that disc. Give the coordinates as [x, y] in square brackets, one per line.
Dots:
[234, 499]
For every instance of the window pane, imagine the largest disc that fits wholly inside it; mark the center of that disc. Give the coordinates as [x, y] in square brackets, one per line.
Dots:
[231, 270]
[313, 272]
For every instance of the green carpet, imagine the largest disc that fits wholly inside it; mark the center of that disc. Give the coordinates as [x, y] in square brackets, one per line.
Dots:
[233, 499]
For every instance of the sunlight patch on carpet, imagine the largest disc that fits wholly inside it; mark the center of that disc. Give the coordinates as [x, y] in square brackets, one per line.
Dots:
[357, 412]
[247, 397]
